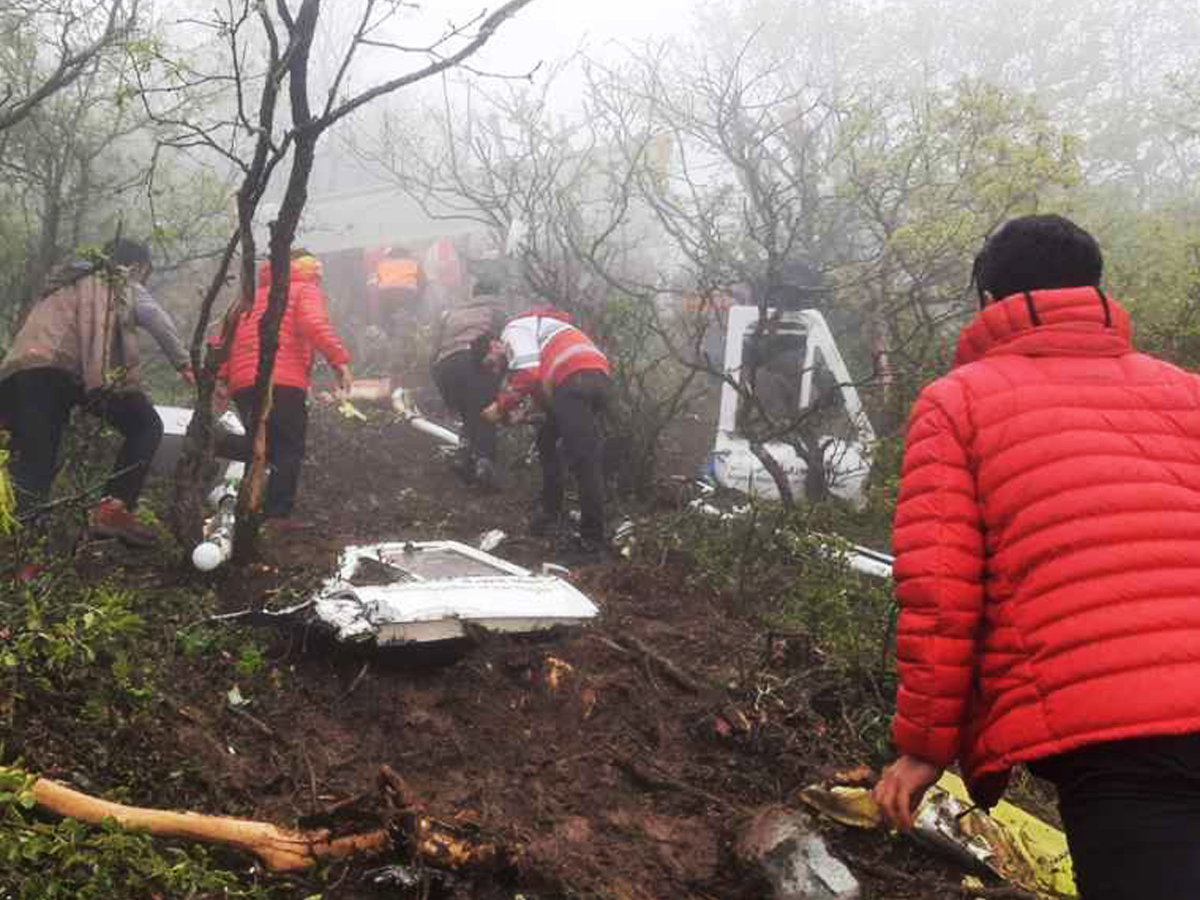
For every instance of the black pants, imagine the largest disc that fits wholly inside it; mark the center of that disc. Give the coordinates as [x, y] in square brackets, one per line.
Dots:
[36, 405]
[1131, 810]
[287, 427]
[466, 388]
[575, 415]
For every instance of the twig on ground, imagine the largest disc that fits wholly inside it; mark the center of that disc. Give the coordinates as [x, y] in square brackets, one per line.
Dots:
[357, 678]
[658, 780]
[629, 644]
[256, 722]
[312, 775]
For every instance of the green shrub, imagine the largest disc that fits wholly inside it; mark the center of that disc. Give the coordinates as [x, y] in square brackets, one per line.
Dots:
[74, 861]
[58, 639]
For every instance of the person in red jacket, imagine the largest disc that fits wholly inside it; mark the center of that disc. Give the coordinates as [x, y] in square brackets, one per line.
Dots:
[550, 361]
[305, 330]
[1047, 540]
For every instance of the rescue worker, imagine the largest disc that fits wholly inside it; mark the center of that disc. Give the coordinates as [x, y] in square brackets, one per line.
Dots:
[1047, 540]
[465, 384]
[547, 359]
[78, 347]
[305, 330]
[396, 291]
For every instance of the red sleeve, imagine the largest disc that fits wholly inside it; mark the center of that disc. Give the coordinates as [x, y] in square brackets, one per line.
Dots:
[312, 319]
[519, 384]
[938, 542]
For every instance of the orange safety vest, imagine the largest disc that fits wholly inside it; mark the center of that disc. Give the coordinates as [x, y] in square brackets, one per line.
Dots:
[398, 273]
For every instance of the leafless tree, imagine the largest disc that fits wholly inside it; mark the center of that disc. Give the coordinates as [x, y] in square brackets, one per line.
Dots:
[558, 194]
[48, 44]
[866, 205]
[266, 66]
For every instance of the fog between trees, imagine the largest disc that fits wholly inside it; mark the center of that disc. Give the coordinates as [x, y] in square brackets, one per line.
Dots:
[871, 144]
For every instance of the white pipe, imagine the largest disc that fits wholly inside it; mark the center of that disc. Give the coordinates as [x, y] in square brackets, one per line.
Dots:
[445, 435]
[218, 531]
[218, 542]
[404, 405]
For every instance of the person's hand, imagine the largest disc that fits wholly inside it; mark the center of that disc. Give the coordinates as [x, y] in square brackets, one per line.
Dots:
[188, 375]
[491, 413]
[345, 379]
[901, 788]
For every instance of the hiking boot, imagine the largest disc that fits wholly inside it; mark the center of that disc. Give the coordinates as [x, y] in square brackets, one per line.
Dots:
[110, 518]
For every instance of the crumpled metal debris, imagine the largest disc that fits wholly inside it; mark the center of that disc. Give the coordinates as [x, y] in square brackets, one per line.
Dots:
[490, 540]
[393, 876]
[1011, 843]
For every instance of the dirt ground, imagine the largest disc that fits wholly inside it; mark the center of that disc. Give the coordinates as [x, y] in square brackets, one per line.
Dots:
[618, 760]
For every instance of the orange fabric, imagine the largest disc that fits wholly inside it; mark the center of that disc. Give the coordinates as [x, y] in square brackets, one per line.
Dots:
[305, 329]
[398, 273]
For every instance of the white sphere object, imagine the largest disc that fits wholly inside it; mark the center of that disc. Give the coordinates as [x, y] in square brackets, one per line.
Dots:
[206, 556]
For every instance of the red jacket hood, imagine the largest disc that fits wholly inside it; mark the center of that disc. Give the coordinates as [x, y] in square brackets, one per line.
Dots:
[1077, 321]
[306, 269]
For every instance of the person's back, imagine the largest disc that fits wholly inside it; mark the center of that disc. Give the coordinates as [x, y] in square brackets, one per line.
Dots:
[1047, 541]
[78, 348]
[305, 328]
[1082, 458]
[465, 385]
[461, 325]
[79, 326]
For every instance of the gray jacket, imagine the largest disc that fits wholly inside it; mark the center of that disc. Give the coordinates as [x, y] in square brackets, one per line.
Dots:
[85, 326]
[148, 314]
[459, 326]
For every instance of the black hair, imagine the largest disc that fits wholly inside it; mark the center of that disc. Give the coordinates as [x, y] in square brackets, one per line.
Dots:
[481, 345]
[485, 286]
[127, 252]
[1037, 253]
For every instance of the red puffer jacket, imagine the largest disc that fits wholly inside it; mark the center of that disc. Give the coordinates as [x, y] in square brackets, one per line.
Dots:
[305, 328]
[1047, 541]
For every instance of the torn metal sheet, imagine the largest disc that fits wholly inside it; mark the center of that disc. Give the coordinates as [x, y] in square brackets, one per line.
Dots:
[1009, 842]
[861, 559]
[175, 420]
[424, 591]
[797, 370]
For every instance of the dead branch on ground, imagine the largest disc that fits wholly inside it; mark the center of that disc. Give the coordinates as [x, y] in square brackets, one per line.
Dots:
[279, 849]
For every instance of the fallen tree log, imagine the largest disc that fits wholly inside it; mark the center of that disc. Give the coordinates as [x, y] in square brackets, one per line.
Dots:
[278, 849]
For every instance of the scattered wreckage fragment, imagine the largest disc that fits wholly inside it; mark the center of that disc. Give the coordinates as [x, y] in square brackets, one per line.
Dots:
[408, 593]
[799, 371]
[218, 528]
[861, 559]
[427, 591]
[217, 545]
[1008, 842]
